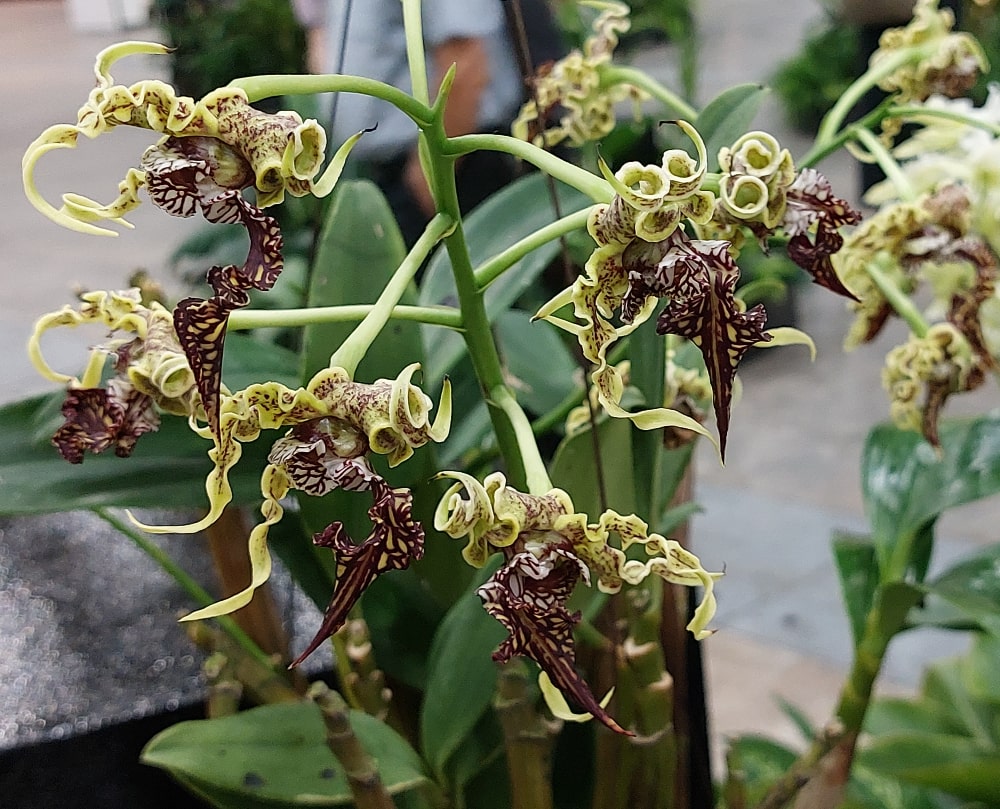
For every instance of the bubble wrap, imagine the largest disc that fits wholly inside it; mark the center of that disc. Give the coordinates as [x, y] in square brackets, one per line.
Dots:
[88, 626]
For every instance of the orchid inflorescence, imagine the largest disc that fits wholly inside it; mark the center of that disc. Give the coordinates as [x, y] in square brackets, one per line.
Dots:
[667, 237]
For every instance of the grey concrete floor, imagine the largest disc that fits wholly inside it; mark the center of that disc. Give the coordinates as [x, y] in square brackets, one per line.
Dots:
[796, 435]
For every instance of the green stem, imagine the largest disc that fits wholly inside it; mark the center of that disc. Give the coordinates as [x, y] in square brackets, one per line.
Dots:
[901, 303]
[353, 349]
[535, 474]
[195, 591]
[915, 112]
[415, 57]
[621, 74]
[487, 272]
[821, 150]
[445, 316]
[885, 161]
[834, 119]
[258, 87]
[593, 186]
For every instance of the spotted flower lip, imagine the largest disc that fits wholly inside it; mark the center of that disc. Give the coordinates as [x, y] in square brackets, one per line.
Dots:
[548, 548]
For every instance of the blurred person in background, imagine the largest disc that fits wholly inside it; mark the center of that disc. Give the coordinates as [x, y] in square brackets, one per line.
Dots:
[366, 38]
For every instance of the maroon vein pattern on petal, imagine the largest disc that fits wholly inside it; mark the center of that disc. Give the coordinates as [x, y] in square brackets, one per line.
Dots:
[703, 309]
[98, 419]
[811, 202]
[395, 540]
[528, 596]
[185, 173]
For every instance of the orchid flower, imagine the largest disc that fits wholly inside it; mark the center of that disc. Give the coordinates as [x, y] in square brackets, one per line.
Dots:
[150, 373]
[333, 424]
[211, 151]
[548, 548]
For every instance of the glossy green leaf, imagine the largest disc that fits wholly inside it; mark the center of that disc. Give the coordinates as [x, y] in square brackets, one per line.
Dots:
[907, 484]
[477, 771]
[537, 362]
[462, 678]
[574, 468]
[972, 589]
[359, 249]
[276, 756]
[506, 217]
[981, 669]
[760, 762]
[954, 764]
[870, 788]
[857, 568]
[727, 116]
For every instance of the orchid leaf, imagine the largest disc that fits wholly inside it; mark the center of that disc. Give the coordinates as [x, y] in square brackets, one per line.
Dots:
[462, 677]
[540, 385]
[857, 568]
[906, 483]
[972, 589]
[276, 756]
[955, 764]
[574, 468]
[359, 249]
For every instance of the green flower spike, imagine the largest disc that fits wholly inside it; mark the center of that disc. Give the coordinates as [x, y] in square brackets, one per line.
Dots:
[548, 549]
[150, 372]
[334, 423]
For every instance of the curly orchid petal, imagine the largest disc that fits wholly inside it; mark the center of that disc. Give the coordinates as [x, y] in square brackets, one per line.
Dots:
[396, 539]
[556, 702]
[274, 485]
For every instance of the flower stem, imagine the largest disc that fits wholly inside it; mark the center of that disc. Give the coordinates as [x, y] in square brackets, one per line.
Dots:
[415, 57]
[916, 112]
[487, 272]
[195, 591]
[353, 349]
[901, 303]
[834, 119]
[593, 186]
[445, 316]
[885, 161]
[535, 474]
[258, 87]
[621, 74]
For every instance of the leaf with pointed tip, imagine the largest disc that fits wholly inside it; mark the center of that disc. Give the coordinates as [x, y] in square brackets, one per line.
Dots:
[727, 116]
[277, 756]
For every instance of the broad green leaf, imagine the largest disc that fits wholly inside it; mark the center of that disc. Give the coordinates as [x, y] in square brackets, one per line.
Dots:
[574, 468]
[359, 249]
[277, 756]
[727, 116]
[472, 773]
[857, 568]
[895, 714]
[894, 601]
[954, 764]
[980, 669]
[944, 690]
[506, 217]
[462, 677]
[907, 484]
[760, 763]
[871, 789]
[972, 588]
[539, 367]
